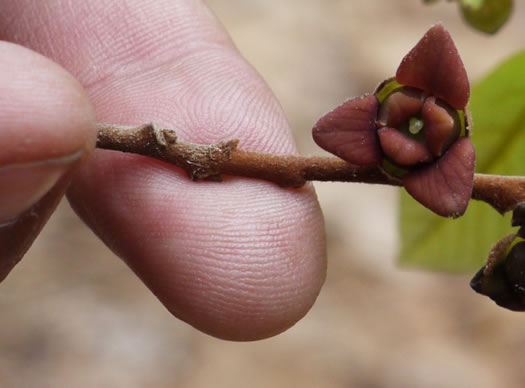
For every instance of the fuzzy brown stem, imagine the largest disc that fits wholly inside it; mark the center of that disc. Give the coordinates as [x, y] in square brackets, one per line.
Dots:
[211, 162]
[502, 192]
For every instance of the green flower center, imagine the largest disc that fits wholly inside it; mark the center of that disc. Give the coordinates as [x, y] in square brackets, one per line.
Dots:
[415, 124]
[414, 128]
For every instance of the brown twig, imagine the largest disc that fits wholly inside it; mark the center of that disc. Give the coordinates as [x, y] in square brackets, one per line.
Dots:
[211, 162]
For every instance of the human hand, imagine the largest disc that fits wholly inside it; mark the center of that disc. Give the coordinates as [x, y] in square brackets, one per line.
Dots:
[241, 259]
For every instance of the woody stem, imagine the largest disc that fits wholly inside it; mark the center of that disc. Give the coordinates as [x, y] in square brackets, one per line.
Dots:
[212, 162]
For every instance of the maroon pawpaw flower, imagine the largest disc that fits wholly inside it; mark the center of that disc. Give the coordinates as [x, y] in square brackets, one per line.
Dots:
[415, 127]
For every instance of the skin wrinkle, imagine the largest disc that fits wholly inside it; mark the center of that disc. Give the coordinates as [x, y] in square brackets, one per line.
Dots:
[252, 240]
[252, 301]
[234, 284]
[197, 128]
[186, 64]
[265, 226]
[203, 116]
[231, 236]
[157, 49]
[230, 249]
[222, 263]
[230, 260]
[252, 285]
[252, 298]
[259, 318]
[257, 242]
[215, 301]
[160, 183]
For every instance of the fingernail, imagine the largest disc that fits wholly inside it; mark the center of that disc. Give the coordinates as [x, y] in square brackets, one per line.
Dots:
[23, 184]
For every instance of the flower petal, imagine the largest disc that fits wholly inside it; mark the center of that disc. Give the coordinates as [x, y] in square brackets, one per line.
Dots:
[442, 126]
[349, 131]
[399, 107]
[434, 65]
[445, 187]
[402, 149]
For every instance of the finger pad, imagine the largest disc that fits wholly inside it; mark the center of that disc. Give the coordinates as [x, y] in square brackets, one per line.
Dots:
[239, 260]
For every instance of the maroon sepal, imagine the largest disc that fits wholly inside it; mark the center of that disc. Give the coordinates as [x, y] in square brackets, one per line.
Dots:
[349, 131]
[445, 187]
[434, 66]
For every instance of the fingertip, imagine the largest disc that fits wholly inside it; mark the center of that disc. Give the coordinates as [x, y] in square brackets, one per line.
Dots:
[44, 111]
[47, 126]
[263, 296]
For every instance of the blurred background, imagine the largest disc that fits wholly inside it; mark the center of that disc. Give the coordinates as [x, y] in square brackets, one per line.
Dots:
[72, 314]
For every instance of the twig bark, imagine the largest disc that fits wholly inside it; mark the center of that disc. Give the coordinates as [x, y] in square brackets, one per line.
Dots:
[211, 162]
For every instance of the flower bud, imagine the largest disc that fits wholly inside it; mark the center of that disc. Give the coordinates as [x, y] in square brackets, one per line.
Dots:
[414, 127]
[505, 283]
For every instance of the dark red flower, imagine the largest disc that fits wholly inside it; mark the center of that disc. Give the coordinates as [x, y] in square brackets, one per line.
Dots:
[414, 126]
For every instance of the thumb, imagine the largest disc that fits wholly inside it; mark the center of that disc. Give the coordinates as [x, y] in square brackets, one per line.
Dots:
[47, 126]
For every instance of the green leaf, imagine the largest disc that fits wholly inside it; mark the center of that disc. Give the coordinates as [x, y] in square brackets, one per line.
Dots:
[498, 109]
[486, 15]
